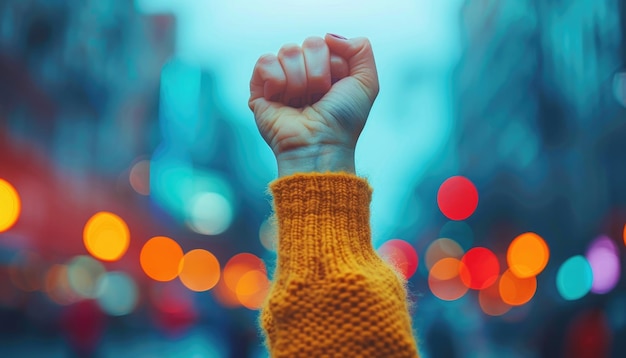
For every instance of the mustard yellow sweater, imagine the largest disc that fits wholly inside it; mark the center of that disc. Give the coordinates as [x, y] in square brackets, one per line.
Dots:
[332, 295]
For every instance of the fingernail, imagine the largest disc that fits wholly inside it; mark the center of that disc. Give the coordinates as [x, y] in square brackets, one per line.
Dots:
[276, 97]
[338, 36]
[295, 102]
[316, 97]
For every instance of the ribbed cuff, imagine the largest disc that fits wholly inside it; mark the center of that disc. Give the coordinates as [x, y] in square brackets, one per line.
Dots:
[323, 224]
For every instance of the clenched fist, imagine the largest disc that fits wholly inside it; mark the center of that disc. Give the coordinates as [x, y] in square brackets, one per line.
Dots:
[311, 102]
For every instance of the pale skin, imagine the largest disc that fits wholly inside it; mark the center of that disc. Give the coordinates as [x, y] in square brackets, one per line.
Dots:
[311, 102]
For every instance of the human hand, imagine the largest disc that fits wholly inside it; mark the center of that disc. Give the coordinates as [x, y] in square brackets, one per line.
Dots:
[311, 102]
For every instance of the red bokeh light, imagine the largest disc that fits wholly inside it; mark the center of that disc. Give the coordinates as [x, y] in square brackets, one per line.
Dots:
[457, 198]
[401, 255]
[482, 268]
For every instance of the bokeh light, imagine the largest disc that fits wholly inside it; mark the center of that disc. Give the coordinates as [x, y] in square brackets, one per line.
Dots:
[210, 213]
[160, 258]
[448, 280]
[481, 266]
[515, 290]
[10, 205]
[440, 249]
[401, 255]
[527, 255]
[139, 177]
[106, 236]
[457, 198]
[252, 289]
[175, 307]
[200, 270]
[574, 278]
[83, 273]
[491, 302]
[603, 257]
[117, 293]
[224, 295]
[268, 234]
[458, 231]
[238, 266]
[624, 234]
[244, 282]
[57, 285]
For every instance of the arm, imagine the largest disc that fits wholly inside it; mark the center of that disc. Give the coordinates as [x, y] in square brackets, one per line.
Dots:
[332, 295]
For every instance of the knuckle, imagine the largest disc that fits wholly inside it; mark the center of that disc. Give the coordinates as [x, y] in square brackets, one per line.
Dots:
[365, 41]
[266, 59]
[297, 89]
[314, 41]
[278, 82]
[289, 50]
[318, 80]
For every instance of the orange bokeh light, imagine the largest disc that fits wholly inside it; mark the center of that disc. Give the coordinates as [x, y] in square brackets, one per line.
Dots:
[527, 255]
[106, 236]
[200, 270]
[224, 295]
[238, 266]
[160, 258]
[252, 289]
[10, 205]
[516, 291]
[244, 282]
[447, 280]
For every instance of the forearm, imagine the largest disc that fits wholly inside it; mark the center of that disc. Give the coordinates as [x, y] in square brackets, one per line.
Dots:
[332, 294]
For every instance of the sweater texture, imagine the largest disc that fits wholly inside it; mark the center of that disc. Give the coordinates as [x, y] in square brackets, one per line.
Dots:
[332, 295]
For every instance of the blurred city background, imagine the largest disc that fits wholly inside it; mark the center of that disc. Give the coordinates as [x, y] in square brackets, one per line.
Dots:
[134, 213]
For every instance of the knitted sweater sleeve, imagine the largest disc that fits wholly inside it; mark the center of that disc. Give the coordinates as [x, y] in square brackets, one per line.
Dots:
[332, 295]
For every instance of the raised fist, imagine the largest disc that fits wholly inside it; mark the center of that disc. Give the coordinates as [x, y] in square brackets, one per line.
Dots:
[311, 102]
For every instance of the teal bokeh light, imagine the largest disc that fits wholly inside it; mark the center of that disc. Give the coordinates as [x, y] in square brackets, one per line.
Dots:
[574, 278]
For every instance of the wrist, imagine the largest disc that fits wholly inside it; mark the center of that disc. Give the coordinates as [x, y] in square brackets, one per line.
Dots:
[318, 159]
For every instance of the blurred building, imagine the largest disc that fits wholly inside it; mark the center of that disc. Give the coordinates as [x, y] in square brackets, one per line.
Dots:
[541, 130]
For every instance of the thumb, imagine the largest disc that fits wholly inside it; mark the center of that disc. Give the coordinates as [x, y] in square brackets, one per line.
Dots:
[360, 57]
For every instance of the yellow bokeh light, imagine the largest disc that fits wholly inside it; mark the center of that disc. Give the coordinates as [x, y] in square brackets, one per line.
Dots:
[10, 205]
[252, 289]
[106, 236]
[527, 255]
[515, 290]
[200, 270]
[160, 258]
